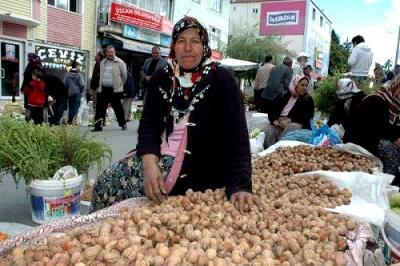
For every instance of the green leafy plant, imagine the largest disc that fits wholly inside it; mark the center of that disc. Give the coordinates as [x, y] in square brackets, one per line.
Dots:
[325, 96]
[37, 151]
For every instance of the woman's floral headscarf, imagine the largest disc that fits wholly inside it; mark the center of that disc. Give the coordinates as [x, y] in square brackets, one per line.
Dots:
[388, 93]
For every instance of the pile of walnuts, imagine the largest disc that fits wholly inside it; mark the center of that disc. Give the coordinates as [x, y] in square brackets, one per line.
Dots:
[292, 228]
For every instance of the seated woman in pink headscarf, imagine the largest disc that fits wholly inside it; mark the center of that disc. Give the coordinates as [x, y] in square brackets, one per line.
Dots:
[292, 111]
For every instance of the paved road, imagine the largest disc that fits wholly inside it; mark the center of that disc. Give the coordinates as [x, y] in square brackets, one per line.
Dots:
[14, 202]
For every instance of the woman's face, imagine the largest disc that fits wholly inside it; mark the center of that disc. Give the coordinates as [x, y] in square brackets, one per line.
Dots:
[301, 87]
[189, 49]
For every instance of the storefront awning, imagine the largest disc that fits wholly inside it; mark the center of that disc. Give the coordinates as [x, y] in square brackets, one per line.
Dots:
[137, 46]
[17, 19]
[238, 65]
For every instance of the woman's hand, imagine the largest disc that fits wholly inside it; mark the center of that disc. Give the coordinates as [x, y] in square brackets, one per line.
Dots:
[245, 201]
[153, 179]
[397, 142]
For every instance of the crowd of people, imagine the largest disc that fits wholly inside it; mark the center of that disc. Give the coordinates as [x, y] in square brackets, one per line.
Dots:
[371, 121]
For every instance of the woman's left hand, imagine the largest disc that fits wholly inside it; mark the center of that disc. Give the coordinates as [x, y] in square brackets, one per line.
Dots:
[245, 201]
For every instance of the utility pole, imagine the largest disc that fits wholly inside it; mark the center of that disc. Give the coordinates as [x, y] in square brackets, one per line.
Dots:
[397, 47]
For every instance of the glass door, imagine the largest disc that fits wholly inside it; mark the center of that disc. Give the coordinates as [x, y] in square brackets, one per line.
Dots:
[10, 69]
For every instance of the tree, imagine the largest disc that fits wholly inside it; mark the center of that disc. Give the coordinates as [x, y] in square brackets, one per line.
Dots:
[247, 45]
[387, 66]
[339, 54]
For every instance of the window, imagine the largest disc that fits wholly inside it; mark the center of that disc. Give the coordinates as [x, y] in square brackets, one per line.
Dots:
[321, 21]
[215, 37]
[216, 5]
[314, 14]
[255, 10]
[165, 8]
[69, 5]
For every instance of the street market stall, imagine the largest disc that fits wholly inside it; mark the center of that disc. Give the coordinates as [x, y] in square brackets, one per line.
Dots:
[298, 223]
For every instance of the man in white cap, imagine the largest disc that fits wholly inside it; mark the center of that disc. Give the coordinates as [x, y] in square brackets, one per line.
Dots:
[299, 65]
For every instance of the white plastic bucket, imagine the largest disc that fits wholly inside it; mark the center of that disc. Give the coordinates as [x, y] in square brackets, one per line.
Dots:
[53, 199]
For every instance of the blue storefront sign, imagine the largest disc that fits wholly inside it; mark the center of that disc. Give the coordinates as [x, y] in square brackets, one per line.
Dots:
[145, 35]
[165, 40]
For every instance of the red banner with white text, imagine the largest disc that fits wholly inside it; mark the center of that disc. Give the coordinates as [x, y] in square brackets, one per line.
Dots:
[135, 16]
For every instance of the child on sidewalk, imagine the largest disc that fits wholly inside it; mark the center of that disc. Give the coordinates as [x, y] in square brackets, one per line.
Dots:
[35, 92]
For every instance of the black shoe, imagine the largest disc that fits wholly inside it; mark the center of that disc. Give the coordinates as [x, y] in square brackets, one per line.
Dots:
[124, 127]
[96, 129]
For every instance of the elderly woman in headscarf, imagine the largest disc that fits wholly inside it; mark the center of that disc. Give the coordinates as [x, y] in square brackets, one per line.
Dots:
[292, 111]
[378, 125]
[192, 134]
[346, 109]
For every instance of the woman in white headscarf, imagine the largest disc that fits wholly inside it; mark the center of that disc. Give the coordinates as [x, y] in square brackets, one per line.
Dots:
[346, 108]
[292, 111]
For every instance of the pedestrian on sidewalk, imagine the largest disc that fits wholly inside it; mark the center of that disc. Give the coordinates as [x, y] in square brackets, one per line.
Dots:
[34, 62]
[261, 80]
[192, 134]
[127, 96]
[360, 60]
[56, 89]
[278, 84]
[150, 66]
[94, 81]
[75, 85]
[113, 75]
[36, 96]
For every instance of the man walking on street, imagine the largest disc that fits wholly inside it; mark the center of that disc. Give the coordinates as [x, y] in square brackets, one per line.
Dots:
[127, 96]
[261, 80]
[360, 59]
[113, 76]
[299, 65]
[278, 83]
[74, 83]
[150, 66]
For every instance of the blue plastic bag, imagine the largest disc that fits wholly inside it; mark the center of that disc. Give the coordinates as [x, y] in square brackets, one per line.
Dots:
[324, 136]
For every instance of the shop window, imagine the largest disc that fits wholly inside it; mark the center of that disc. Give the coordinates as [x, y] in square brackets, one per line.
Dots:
[69, 5]
[215, 37]
[314, 14]
[142, 4]
[165, 8]
[216, 5]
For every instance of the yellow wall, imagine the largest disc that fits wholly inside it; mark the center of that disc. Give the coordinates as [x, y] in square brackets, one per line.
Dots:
[18, 7]
[89, 30]
[39, 32]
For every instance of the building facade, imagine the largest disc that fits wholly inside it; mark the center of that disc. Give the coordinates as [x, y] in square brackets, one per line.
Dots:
[133, 27]
[300, 24]
[59, 31]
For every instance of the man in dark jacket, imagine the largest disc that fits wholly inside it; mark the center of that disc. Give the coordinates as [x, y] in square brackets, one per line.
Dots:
[73, 81]
[127, 95]
[57, 90]
[278, 83]
[151, 65]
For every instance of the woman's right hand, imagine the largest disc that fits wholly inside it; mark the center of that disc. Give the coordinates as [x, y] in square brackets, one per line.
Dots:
[397, 142]
[153, 179]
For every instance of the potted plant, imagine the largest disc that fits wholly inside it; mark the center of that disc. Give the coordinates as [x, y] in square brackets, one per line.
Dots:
[35, 152]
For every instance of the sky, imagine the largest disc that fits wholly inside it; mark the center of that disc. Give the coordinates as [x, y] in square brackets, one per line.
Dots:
[377, 21]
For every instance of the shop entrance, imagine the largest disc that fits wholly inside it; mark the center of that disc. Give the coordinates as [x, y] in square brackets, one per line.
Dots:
[10, 68]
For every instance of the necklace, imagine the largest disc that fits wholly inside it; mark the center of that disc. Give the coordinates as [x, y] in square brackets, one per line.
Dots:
[178, 113]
